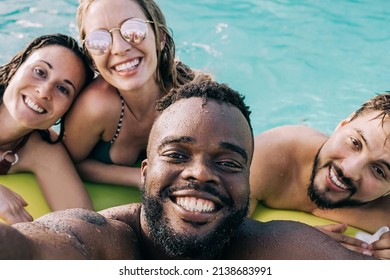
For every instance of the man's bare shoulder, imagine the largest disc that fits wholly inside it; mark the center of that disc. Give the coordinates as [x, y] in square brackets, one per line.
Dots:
[288, 133]
[128, 214]
[279, 155]
[283, 145]
[80, 234]
[13, 244]
[285, 240]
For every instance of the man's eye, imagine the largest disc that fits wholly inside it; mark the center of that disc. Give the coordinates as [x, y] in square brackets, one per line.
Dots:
[230, 164]
[174, 155]
[355, 143]
[379, 171]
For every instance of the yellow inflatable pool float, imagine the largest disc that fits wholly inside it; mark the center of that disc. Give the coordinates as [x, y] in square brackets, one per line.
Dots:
[104, 196]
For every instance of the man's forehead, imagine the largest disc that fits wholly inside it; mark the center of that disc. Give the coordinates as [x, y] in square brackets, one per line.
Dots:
[192, 113]
[189, 102]
[190, 108]
[194, 116]
[196, 109]
[373, 127]
[373, 119]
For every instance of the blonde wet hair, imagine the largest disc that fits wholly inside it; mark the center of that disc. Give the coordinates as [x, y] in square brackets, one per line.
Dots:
[170, 72]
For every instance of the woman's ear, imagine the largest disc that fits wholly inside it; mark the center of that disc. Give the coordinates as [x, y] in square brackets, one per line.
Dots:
[163, 40]
[345, 121]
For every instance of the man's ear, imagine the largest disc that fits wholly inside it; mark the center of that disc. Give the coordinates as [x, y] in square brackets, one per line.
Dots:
[143, 170]
[345, 121]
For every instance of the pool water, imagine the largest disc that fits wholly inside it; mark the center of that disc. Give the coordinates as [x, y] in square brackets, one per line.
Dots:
[297, 61]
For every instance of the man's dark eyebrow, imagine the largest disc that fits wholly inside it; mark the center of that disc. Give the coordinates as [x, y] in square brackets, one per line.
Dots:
[385, 163]
[65, 81]
[173, 139]
[236, 149]
[187, 139]
[362, 136]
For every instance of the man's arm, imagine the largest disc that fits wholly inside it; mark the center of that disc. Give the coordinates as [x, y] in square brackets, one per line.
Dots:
[369, 217]
[70, 234]
[13, 244]
[287, 240]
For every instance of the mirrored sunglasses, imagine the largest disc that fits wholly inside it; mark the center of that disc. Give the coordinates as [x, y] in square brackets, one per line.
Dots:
[133, 30]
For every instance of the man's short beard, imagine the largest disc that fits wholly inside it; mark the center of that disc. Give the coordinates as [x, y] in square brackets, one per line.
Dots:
[320, 199]
[187, 245]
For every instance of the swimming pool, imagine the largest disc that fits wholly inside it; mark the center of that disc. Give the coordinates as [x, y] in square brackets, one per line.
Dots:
[296, 61]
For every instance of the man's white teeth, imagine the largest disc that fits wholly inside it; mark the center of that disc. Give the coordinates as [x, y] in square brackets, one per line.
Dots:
[33, 106]
[195, 204]
[128, 66]
[336, 181]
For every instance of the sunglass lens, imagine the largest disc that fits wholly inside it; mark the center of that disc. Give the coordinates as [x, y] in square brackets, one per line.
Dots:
[98, 42]
[134, 31]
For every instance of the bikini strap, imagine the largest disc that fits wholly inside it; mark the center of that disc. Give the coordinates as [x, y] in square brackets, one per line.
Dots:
[119, 126]
[21, 143]
[5, 165]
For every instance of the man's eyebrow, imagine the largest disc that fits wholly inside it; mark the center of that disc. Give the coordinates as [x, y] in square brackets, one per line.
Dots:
[362, 136]
[186, 139]
[173, 139]
[236, 149]
[385, 163]
[65, 81]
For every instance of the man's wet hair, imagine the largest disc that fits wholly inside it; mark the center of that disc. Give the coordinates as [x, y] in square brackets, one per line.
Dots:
[206, 89]
[379, 103]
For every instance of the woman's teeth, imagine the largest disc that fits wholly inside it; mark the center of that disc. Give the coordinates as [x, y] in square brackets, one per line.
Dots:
[33, 106]
[128, 66]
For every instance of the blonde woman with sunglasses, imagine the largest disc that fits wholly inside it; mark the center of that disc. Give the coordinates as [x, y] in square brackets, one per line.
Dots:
[37, 87]
[133, 54]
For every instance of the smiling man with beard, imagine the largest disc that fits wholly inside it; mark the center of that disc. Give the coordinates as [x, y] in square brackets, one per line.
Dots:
[344, 177]
[322, 198]
[196, 210]
[195, 197]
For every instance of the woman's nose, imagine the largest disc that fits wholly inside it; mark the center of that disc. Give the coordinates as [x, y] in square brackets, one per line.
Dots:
[43, 92]
[119, 45]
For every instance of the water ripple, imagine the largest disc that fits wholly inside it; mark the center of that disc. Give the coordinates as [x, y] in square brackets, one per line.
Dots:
[297, 61]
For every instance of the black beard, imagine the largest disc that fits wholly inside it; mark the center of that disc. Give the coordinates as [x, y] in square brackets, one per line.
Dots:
[320, 199]
[188, 246]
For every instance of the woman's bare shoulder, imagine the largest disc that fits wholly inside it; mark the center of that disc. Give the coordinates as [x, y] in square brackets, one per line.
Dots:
[97, 99]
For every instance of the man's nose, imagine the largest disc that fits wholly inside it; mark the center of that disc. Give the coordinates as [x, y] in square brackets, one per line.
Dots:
[352, 167]
[202, 171]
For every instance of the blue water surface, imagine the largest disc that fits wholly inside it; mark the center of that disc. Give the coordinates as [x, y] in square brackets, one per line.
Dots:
[296, 61]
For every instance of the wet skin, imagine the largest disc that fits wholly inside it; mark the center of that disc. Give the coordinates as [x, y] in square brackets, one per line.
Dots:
[207, 158]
